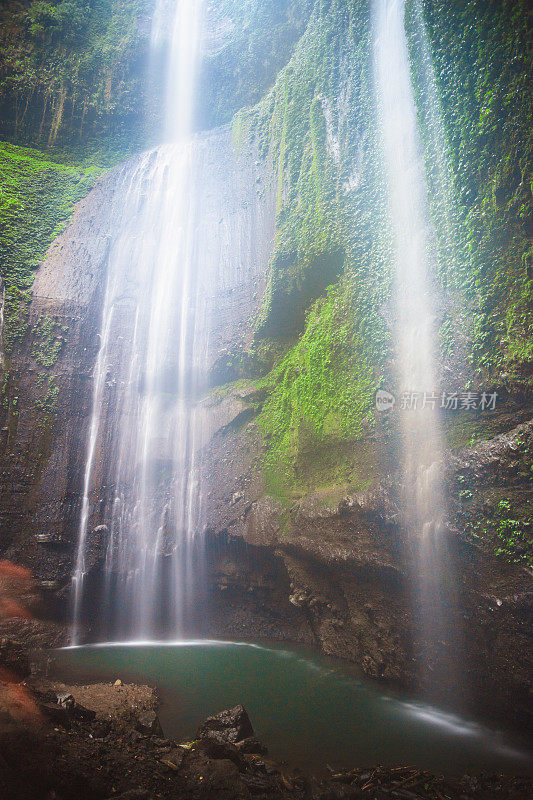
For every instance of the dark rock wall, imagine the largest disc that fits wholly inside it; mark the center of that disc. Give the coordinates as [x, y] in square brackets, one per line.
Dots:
[342, 563]
[44, 450]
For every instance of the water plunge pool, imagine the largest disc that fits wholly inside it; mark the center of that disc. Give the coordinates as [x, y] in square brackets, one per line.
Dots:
[308, 710]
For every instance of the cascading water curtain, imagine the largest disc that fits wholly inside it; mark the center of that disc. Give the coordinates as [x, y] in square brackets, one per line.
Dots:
[423, 495]
[144, 427]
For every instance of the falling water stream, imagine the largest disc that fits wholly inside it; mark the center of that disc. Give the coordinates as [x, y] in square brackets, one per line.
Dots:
[153, 350]
[423, 497]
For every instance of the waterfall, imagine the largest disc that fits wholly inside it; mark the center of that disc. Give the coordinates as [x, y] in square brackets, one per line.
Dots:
[152, 365]
[188, 233]
[423, 498]
[183, 19]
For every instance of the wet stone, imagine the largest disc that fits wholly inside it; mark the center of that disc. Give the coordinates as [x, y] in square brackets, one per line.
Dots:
[217, 748]
[232, 725]
[56, 714]
[251, 745]
[148, 723]
[173, 759]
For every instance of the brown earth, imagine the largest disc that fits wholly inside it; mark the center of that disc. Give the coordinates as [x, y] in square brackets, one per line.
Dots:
[98, 752]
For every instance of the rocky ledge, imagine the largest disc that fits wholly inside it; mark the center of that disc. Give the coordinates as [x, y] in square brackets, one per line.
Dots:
[330, 569]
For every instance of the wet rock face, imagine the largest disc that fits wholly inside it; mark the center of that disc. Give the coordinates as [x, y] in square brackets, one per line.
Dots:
[148, 723]
[342, 577]
[327, 569]
[49, 380]
[43, 442]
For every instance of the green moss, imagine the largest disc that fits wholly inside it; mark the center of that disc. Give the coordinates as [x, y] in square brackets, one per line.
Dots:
[291, 130]
[330, 232]
[332, 229]
[466, 428]
[48, 341]
[259, 38]
[46, 398]
[321, 394]
[37, 195]
[482, 61]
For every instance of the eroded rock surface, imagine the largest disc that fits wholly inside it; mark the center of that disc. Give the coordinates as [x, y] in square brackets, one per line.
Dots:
[339, 557]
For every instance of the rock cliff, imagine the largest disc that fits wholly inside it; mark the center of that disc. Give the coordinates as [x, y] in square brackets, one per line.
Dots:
[302, 522]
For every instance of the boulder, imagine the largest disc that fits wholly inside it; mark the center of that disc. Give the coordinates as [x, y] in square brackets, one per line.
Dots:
[218, 748]
[232, 725]
[252, 746]
[83, 714]
[148, 723]
[58, 715]
[65, 700]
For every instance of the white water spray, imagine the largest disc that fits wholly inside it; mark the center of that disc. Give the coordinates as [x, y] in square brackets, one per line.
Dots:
[423, 499]
[183, 18]
[156, 299]
[188, 235]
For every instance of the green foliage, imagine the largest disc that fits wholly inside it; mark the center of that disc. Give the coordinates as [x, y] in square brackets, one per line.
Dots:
[507, 529]
[321, 390]
[497, 515]
[79, 70]
[37, 195]
[72, 69]
[64, 20]
[482, 57]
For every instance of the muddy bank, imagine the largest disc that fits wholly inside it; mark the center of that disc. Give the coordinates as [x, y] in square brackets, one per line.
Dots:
[104, 741]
